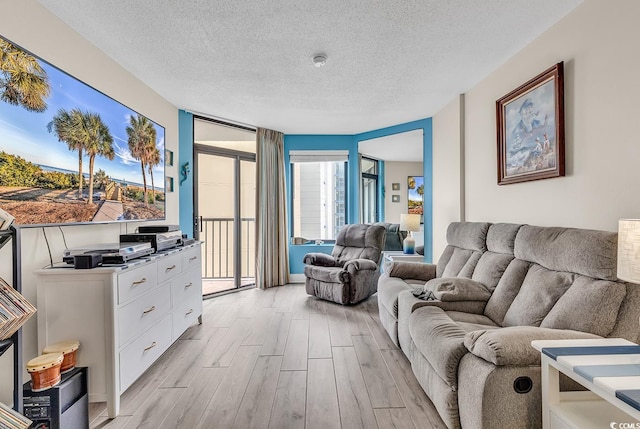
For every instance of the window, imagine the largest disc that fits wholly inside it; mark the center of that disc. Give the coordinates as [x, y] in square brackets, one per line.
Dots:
[318, 182]
[369, 168]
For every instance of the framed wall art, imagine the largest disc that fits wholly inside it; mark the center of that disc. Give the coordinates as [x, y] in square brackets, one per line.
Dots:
[530, 121]
[415, 200]
[395, 186]
[395, 198]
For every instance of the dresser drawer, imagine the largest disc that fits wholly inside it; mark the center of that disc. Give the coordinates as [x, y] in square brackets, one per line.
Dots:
[142, 352]
[169, 267]
[185, 315]
[139, 315]
[191, 258]
[185, 286]
[135, 282]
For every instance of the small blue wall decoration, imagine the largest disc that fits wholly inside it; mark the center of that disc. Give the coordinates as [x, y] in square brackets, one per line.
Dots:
[184, 171]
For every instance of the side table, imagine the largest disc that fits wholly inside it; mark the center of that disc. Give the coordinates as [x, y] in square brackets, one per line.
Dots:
[398, 255]
[609, 368]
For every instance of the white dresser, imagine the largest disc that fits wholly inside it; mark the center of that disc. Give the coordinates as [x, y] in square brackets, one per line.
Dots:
[124, 317]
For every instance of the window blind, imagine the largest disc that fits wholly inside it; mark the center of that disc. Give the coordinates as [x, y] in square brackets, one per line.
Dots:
[296, 156]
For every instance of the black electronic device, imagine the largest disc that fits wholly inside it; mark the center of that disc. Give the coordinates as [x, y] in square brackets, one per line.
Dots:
[157, 228]
[112, 253]
[64, 406]
[159, 240]
[87, 261]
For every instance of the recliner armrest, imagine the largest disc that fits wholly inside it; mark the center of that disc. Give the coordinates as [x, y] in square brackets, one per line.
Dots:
[359, 265]
[412, 270]
[319, 259]
[511, 346]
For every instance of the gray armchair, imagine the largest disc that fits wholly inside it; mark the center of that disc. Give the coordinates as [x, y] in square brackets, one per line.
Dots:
[350, 274]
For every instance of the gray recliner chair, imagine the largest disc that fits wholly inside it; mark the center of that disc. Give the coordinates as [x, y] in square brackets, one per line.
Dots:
[350, 274]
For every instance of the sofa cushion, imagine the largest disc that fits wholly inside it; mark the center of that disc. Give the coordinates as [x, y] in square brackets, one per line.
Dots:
[460, 316]
[462, 236]
[581, 251]
[506, 290]
[457, 289]
[462, 263]
[440, 340]
[627, 324]
[501, 237]
[490, 268]
[468, 235]
[471, 327]
[540, 291]
[588, 306]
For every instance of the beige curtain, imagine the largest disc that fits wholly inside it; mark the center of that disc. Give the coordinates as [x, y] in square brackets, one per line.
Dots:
[272, 250]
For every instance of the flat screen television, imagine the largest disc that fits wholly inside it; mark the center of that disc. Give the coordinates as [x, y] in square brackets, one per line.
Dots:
[71, 154]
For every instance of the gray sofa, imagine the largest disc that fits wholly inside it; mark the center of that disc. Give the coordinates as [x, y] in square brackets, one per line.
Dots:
[496, 288]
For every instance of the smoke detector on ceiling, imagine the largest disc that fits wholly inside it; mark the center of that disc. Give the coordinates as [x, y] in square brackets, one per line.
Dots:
[319, 60]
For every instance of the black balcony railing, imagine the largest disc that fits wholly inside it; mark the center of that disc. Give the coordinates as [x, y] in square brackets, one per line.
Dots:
[219, 245]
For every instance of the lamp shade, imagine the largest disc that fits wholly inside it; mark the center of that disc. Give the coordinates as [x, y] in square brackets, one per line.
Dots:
[629, 250]
[409, 222]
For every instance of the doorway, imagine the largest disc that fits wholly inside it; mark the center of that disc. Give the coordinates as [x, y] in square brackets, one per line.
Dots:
[224, 200]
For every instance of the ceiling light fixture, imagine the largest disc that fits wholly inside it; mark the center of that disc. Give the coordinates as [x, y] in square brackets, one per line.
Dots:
[319, 60]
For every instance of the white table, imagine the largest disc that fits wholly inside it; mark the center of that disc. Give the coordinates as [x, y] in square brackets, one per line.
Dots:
[398, 255]
[598, 407]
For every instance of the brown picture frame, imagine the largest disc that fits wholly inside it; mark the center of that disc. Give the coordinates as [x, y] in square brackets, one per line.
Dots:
[530, 129]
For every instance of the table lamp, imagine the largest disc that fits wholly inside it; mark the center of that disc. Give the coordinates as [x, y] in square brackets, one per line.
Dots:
[629, 250]
[409, 223]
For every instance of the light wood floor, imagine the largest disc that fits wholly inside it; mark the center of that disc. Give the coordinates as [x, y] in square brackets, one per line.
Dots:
[278, 359]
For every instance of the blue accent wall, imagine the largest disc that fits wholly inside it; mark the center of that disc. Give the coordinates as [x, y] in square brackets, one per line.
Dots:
[316, 142]
[427, 159]
[185, 154]
[381, 190]
[350, 143]
[320, 142]
[297, 252]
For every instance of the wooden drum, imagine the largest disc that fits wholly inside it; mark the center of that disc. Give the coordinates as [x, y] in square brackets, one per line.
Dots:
[68, 349]
[45, 371]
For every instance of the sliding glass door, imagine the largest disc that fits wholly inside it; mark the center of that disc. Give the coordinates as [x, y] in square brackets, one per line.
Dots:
[224, 201]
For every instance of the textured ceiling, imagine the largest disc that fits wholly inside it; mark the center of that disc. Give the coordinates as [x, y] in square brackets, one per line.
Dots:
[389, 61]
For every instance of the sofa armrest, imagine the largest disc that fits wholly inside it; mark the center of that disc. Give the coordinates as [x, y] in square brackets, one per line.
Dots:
[412, 270]
[511, 346]
[319, 259]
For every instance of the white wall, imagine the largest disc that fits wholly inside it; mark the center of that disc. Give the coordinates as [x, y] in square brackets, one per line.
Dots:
[598, 43]
[397, 172]
[49, 38]
[448, 174]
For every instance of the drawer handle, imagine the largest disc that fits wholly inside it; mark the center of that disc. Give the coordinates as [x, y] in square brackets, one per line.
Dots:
[153, 307]
[188, 285]
[193, 258]
[153, 344]
[169, 268]
[139, 282]
[189, 312]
